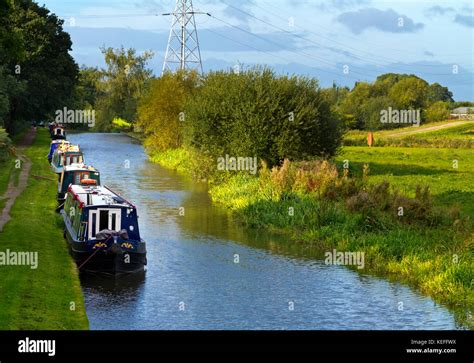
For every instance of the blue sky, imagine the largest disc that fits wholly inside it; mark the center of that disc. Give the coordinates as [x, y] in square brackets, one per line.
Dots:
[333, 40]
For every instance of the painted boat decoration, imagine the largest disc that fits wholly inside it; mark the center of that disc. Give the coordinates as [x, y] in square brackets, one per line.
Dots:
[102, 230]
[76, 174]
[54, 145]
[66, 155]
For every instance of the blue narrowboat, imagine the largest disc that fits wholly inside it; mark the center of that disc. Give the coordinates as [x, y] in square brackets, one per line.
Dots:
[102, 231]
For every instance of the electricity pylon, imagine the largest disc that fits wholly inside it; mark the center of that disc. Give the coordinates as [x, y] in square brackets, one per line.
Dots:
[183, 50]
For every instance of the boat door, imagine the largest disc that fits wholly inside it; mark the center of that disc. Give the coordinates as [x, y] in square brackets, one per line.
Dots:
[102, 219]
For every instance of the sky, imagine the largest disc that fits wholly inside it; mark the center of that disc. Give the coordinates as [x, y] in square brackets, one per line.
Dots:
[341, 41]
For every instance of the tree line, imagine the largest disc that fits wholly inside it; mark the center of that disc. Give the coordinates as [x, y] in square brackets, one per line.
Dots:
[250, 112]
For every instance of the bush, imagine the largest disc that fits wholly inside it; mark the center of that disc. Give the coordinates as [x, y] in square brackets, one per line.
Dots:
[257, 114]
[438, 111]
[161, 111]
[121, 124]
[5, 144]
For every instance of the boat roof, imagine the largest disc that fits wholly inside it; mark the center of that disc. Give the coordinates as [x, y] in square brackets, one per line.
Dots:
[98, 196]
[79, 167]
[61, 142]
[68, 149]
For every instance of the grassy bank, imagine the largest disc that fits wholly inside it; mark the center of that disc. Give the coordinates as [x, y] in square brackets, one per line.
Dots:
[50, 296]
[429, 247]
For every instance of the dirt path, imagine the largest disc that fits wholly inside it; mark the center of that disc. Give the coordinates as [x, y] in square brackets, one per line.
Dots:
[14, 191]
[433, 128]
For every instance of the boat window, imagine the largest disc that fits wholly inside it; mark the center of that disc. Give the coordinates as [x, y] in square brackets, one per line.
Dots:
[104, 220]
[114, 222]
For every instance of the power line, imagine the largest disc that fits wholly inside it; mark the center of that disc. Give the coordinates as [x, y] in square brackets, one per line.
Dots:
[299, 36]
[299, 53]
[349, 36]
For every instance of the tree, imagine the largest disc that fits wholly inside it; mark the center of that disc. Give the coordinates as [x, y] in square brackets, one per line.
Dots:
[438, 111]
[410, 93]
[437, 92]
[257, 114]
[47, 68]
[124, 82]
[161, 111]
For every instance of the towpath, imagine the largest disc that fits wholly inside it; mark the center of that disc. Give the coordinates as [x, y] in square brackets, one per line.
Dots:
[14, 190]
[429, 129]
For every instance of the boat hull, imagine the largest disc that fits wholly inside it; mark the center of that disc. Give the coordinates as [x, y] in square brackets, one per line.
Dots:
[111, 259]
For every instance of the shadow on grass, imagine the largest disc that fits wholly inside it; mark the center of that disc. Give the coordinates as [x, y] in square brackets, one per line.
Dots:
[394, 169]
[463, 200]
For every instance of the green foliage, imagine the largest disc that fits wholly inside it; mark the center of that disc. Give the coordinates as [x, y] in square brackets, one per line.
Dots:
[257, 114]
[47, 69]
[122, 124]
[409, 93]
[122, 85]
[161, 111]
[437, 93]
[438, 111]
[361, 107]
[5, 144]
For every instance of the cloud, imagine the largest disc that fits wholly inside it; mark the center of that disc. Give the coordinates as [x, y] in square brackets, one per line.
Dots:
[345, 4]
[429, 54]
[232, 12]
[466, 20]
[438, 11]
[384, 20]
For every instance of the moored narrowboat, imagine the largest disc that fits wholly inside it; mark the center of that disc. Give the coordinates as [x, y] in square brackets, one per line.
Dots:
[54, 145]
[76, 174]
[66, 155]
[102, 230]
[58, 132]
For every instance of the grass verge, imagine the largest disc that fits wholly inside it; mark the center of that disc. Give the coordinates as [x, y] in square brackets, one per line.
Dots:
[49, 297]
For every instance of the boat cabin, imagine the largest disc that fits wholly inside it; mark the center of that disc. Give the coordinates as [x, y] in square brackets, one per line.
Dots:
[64, 156]
[77, 174]
[102, 230]
[54, 145]
[58, 132]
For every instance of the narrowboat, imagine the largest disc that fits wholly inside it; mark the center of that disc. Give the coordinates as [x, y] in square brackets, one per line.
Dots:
[54, 145]
[64, 156]
[58, 132]
[101, 228]
[76, 174]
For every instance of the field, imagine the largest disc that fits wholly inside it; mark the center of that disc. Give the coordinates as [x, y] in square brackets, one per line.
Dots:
[452, 134]
[448, 172]
[50, 296]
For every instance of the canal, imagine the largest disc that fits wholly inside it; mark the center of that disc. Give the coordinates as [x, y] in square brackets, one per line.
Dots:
[206, 272]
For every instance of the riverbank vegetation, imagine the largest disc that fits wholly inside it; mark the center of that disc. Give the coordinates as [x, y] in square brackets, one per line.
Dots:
[408, 209]
[50, 296]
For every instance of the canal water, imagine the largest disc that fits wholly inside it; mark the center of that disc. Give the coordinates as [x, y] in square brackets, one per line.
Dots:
[193, 281]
